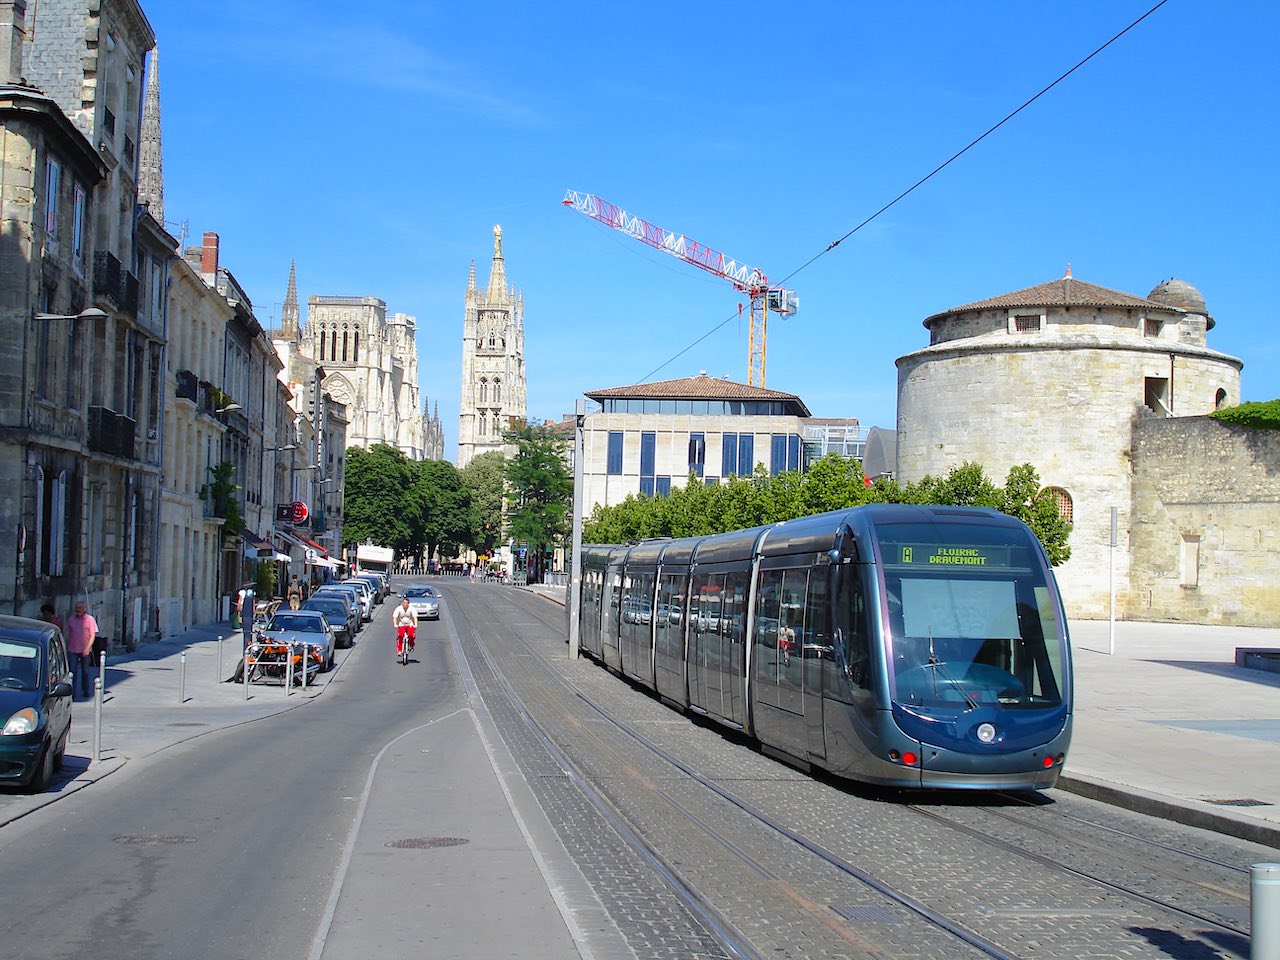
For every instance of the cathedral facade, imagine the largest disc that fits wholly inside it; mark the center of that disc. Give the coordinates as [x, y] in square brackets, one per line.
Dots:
[370, 364]
[493, 375]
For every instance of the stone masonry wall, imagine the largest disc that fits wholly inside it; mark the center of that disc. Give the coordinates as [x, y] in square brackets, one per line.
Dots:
[1205, 544]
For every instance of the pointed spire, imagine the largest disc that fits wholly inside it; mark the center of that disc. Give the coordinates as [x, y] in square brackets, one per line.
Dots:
[498, 272]
[150, 161]
[289, 321]
[1067, 276]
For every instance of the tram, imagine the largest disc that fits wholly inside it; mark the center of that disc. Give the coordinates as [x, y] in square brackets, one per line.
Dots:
[902, 645]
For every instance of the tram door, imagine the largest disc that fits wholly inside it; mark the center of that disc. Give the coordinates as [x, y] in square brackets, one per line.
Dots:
[816, 651]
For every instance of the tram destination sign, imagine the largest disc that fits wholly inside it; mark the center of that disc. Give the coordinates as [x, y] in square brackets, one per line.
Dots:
[954, 555]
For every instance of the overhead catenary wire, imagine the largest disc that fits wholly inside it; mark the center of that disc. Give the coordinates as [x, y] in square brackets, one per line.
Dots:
[923, 180]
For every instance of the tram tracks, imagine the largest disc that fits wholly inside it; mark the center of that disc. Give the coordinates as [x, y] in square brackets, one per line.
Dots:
[1190, 917]
[737, 942]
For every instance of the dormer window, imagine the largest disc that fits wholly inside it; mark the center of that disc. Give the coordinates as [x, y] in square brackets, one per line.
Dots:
[1152, 327]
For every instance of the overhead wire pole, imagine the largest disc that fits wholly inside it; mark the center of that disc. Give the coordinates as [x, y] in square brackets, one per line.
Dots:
[747, 279]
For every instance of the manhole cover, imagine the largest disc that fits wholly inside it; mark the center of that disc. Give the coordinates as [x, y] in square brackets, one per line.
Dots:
[152, 841]
[424, 843]
[1239, 803]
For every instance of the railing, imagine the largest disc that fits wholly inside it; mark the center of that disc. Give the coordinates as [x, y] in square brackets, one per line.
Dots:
[107, 277]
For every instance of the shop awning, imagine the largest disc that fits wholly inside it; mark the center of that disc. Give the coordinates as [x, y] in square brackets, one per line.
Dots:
[290, 539]
[326, 562]
[283, 558]
[315, 546]
[256, 546]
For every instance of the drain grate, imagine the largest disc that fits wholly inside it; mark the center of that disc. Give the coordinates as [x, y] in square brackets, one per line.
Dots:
[857, 912]
[144, 840]
[1238, 803]
[426, 843]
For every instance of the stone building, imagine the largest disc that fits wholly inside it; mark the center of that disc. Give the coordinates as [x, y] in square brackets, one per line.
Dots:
[83, 446]
[370, 361]
[1063, 375]
[493, 375]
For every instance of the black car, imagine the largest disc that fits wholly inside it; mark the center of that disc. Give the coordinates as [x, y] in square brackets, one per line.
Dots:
[339, 614]
[35, 702]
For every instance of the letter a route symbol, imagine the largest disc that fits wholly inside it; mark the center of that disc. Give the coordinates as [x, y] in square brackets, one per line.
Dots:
[906, 554]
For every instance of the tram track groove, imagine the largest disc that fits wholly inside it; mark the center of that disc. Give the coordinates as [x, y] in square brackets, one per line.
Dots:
[1197, 916]
[821, 913]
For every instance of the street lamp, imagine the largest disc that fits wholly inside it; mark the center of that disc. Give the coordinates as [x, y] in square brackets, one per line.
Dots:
[93, 313]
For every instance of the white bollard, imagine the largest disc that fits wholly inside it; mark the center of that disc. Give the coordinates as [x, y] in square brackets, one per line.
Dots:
[182, 679]
[220, 639]
[248, 665]
[97, 719]
[288, 669]
[102, 671]
[1264, 910]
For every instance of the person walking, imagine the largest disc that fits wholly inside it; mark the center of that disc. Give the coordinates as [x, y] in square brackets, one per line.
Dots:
[81, 631]
[48, 616]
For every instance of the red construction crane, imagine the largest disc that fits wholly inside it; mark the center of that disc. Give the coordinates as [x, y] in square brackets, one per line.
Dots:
[749, 280]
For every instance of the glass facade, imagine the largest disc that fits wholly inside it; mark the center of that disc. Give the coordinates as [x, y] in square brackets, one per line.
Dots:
[714, 408]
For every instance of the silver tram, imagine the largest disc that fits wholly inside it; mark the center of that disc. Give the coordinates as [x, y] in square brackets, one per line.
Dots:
[909, 646]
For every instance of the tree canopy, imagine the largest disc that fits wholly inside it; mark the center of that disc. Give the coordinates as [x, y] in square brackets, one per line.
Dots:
[833, 482]
[485, 480]
[539, 489]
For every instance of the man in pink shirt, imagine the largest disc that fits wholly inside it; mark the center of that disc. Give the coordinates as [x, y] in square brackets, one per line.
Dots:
[81, 630]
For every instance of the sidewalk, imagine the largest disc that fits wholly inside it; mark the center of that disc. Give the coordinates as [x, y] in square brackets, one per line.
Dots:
[142, 714]
[1168, 725]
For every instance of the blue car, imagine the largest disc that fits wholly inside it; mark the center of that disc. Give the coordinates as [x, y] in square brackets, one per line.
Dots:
[35, 702]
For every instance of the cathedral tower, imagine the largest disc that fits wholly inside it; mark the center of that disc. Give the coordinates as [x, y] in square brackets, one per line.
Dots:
[493, 375]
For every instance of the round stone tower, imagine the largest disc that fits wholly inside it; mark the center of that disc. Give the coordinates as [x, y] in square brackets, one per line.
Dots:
[1056, 375]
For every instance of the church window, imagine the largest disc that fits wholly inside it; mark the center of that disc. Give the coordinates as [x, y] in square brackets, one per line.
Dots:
[355, 350]
[497, 391]
[491, 342]
[345, 335]
[483, 425]
[484, 390]
[1062, 500]
[1220, 399]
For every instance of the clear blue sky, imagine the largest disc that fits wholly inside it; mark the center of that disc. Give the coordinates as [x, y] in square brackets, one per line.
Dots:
[378, 143]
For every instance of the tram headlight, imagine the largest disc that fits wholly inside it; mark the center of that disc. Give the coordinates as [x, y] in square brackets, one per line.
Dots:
[987, 732]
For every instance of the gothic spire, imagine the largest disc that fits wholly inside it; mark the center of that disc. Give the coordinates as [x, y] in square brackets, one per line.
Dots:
[289, 312]
[150, 164]
[498, 272]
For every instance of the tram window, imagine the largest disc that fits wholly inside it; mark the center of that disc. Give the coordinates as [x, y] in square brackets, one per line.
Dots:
[816, 648]
[766, 639]
[853, 635]
[791, 637]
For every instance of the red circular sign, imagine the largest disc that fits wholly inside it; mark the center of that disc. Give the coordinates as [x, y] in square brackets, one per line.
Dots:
[300, 512]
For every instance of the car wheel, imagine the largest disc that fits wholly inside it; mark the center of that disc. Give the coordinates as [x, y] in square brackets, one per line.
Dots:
[61, 755]
[44, 773]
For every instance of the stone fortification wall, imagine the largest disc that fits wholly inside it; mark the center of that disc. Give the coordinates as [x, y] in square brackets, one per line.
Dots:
[1205, 523]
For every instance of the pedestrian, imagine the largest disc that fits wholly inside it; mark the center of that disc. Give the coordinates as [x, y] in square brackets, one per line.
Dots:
[48, 616]
[82, 630]
[238, 619]
[295, 593]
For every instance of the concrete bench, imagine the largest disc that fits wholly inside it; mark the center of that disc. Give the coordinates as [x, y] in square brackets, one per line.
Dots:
[1259, 658]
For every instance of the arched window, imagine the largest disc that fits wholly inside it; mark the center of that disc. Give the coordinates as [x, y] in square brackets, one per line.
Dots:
[345, 335]
[1220, 399]
[484, 390]
[482, 425]
[497, 390]
[1062, 500]
[355, 351]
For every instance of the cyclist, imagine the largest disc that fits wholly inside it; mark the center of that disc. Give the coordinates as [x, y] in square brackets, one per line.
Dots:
[406, 624]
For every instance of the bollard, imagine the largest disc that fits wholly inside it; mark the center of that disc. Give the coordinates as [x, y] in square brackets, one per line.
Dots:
[97, 720]
[182, 679]
[1264, 910]
[306, 655]
[102, 671]
[288, 669]
[220, 639]
[248, 665]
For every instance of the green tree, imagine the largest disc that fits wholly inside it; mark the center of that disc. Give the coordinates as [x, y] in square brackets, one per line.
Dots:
[444, 508]
[378, 506]
[540, 491]
[485, 480]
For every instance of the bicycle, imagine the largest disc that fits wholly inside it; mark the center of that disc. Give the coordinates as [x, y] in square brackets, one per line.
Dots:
[404, 642]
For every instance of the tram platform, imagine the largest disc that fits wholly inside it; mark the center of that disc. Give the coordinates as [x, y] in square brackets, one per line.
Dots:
[1168, 724]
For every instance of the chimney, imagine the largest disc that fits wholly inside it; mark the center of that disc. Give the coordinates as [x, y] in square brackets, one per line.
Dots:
[209, 254]
[13, 15]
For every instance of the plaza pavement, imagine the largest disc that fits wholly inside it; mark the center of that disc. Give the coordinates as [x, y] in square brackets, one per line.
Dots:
[1167, 724]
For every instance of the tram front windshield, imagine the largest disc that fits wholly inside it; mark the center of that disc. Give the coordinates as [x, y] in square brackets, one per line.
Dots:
[971, 619]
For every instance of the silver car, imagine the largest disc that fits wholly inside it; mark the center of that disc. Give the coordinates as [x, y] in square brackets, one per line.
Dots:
[303, 626]
[424, 602]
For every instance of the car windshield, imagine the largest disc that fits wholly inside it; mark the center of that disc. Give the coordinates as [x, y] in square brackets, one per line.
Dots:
[19, 665]
[325, 605]
[419, 592]
[296, 622]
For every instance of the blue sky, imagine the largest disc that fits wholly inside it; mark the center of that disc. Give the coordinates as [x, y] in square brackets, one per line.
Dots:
[377, 146]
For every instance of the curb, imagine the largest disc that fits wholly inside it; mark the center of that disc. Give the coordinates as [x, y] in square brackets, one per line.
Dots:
[1154, 805]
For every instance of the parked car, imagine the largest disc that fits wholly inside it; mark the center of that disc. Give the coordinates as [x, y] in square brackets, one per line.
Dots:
[353, 593]
[424, 602]
[375, 583]
[340, 614]
[366, 595]
[303, 626]
[35, 701]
